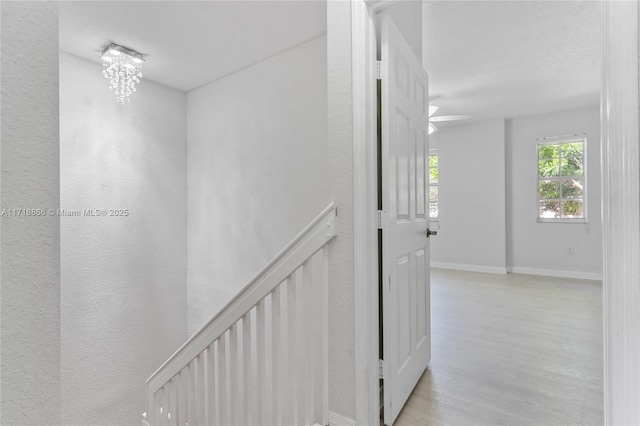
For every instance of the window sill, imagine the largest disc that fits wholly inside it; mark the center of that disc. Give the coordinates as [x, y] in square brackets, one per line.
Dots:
[577, 221]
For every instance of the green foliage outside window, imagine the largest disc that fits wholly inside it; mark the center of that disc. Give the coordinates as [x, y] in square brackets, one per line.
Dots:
[433, 185]
[561, 180]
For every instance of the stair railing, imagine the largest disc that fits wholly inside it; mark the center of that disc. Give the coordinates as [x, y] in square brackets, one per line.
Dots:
[263, 359]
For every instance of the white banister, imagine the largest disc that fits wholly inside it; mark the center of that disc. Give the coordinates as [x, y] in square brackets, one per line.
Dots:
[263, 359]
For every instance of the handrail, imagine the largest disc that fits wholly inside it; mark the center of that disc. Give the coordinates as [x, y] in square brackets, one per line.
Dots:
[311, 239]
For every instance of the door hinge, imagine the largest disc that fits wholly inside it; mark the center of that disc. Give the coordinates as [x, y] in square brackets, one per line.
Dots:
[379, 70]
[381, 369]
[380, 218]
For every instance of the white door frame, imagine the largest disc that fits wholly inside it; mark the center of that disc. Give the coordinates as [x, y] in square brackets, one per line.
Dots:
[365, 204]
[620, 206]
[621, 211]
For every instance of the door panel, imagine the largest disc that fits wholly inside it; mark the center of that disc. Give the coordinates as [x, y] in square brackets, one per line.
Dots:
[422, 155]
[402, 166]
[403, 272]
[422, 300]
[405, 265]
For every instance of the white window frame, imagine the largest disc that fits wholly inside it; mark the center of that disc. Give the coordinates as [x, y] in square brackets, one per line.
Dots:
[559, 178]
[433, 151]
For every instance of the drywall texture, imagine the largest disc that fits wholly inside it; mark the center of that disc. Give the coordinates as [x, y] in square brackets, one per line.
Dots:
[123, 276]
[472, 196]
[30, 264]
[544, 246]
[342, 385]
[257, 170]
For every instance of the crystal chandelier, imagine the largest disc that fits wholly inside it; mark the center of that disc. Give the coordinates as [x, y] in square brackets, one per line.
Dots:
[123, 69]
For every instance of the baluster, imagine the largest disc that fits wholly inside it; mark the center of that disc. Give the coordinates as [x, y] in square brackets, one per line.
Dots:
[191, 416]
[182, 407]
[292, 331]
[261, 361]
[156, 417]
[151, 405]
[233, 374]
[246, 365]
[173, 404]
[158, 404]
[222, 380]
[200, 395]
[275, 356]
[216, 375]
[165, 404]
[307, 271]
[184, 373]
[174, 399]
[324, 306]
[209, 387]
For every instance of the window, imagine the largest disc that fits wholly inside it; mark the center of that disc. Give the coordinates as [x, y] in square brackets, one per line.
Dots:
[561, 181]
[433, 184]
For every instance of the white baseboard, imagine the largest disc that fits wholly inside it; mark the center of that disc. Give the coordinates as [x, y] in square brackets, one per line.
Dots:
[556, 273]
[471, 268]
[339, 420]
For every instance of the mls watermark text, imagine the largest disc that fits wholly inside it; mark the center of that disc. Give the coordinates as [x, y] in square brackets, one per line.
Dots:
[65, 212]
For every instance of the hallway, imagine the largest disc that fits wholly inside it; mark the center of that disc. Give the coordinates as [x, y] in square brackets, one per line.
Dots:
[511, 350]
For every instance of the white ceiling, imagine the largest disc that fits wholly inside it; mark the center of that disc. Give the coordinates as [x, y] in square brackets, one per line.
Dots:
[486, 58]
[511, 58]
[190, 43]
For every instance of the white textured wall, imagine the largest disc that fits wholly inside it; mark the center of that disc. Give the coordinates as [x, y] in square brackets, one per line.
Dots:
[342, 386]
[544, 246]
[123, 279]
[257, 170]
[30, 262]
[472, 196]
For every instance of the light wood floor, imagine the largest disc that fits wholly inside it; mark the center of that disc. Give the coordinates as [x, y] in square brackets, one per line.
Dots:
[511, 350]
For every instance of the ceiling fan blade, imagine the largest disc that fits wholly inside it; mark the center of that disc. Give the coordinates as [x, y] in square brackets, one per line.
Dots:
[433, 109]
[432, 128]
[449, 118]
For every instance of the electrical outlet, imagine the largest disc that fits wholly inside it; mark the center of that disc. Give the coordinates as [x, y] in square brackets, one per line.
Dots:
[570, 251]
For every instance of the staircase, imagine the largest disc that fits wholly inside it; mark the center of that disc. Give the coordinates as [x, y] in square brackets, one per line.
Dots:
[263, 359]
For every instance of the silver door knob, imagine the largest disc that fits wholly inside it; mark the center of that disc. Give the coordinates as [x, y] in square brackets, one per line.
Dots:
[429, 232]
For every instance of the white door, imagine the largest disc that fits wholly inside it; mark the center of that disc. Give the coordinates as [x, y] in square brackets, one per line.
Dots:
[405, 270]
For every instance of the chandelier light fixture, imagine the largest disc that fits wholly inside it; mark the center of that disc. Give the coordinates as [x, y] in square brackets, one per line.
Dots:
[123, 69]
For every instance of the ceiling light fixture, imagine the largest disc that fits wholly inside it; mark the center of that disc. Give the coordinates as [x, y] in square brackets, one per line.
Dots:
[433, 109]
[123, 69]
